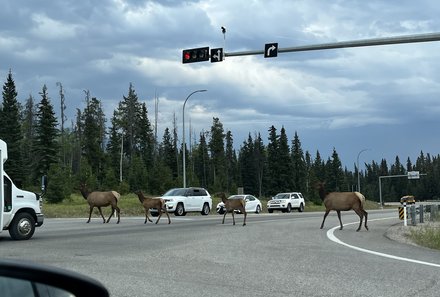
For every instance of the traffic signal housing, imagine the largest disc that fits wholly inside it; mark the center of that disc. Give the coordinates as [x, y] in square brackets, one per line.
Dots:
[195, 55]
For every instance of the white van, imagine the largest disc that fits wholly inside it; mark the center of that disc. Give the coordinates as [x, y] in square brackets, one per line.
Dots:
[20, 211]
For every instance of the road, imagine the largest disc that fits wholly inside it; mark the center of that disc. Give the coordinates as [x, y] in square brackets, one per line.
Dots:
[274, 255]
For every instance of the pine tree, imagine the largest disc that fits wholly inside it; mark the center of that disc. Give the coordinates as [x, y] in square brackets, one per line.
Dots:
[284, 163]
[398, 185]
[45, 146]
[201, 161]
[138, 175]
[94, 135]
[77, 140]
[299, 173]
[334, 173]
[10, 129]
[248, 167]
[231, 163]
[113, 149]
[59, 187]
[272, 162]
[261, 163]
[28, 130]
[128, 117]
[146, 137]
[161, 177]
[310, 192]
[371, 188]
[169, 152]
[176, 167]
[217, 150]
[319, 168]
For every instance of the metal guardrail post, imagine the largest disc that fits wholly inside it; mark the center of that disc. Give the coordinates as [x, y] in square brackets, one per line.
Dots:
[413, 215]
[434, 212]
[421, 213]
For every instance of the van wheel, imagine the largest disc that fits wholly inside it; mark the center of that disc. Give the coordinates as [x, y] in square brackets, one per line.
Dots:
[22, 226]
[301, 208]
[289, 208]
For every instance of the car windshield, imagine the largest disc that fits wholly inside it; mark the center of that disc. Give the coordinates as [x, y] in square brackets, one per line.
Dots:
[176, 192]
[281, 196]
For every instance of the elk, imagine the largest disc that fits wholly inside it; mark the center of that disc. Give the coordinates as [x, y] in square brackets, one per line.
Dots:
[343, 201]
[158, 203]
[101, 199]
[231, 205]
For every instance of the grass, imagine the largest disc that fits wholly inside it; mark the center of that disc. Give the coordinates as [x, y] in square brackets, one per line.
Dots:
[76, 207]
[427, 235]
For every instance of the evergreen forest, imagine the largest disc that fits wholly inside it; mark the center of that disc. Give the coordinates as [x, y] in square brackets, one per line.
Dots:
[125, 153]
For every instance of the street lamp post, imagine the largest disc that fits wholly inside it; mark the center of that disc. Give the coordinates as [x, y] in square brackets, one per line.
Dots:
[357, 162]
[122, 153]
[183, 137]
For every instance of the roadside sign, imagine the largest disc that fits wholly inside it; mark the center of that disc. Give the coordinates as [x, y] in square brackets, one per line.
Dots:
[413, 175]
[270, 50]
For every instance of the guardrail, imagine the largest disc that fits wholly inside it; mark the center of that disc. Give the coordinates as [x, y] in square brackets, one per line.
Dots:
[430, 212]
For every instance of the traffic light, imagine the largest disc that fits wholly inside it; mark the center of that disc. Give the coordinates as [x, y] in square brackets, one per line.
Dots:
[195, 55]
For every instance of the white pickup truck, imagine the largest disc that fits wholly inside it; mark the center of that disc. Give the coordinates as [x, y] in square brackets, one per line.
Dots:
[286, 202]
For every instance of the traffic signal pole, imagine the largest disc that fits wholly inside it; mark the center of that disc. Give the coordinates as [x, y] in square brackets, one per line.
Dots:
[347, 44]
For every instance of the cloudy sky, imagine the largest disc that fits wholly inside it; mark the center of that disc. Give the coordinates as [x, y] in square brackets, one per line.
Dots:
[384, 98]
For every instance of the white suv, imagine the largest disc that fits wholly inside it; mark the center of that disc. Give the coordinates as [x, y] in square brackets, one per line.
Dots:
[286, 202]
[183, 200]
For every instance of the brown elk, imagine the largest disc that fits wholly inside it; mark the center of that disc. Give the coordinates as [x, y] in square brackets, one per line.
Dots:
[233, 204]
[158, 203]
[343, 201]
[101, 199]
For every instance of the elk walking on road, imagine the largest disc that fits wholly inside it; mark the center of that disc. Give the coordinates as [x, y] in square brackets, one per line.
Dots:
[101, 199]
[343, 201]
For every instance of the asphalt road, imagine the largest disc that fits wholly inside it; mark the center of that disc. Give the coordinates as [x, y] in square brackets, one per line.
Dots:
[274, 255]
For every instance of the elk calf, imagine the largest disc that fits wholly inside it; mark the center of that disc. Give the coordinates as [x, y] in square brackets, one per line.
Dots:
[231, 205]
[158, 203]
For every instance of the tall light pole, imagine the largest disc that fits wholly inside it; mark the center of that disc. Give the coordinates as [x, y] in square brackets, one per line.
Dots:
[122, 153]
[183, 138]
[357, 162]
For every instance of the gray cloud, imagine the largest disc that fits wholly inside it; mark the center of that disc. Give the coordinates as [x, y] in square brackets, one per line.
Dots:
[376, 97]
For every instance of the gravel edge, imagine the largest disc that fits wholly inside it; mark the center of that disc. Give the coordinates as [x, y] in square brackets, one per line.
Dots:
[400, 233]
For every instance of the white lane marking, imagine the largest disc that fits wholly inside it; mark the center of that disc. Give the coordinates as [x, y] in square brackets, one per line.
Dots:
[332, 237]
